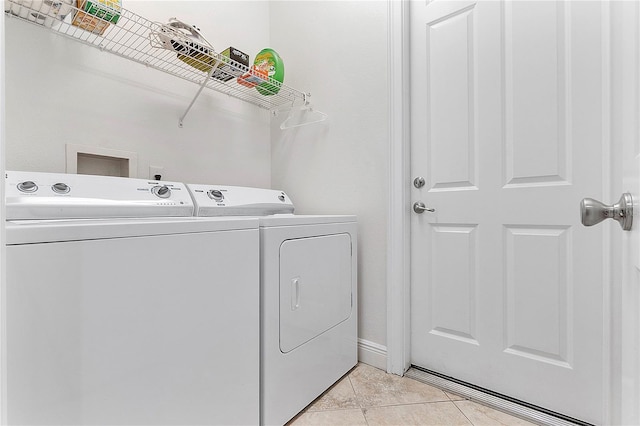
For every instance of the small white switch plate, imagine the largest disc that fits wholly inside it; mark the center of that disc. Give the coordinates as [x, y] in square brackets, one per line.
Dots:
[156, 170]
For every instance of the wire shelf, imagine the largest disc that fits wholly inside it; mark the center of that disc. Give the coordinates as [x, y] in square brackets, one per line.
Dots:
[134, 37]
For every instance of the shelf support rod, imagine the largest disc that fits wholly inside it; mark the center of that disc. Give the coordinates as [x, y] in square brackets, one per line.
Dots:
[204, 83]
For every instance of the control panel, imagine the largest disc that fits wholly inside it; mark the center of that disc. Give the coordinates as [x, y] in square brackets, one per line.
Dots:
[37, 195]
[221, 200]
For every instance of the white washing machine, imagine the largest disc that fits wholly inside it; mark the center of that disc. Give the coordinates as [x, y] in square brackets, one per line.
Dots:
[308, 295]
[118, 313]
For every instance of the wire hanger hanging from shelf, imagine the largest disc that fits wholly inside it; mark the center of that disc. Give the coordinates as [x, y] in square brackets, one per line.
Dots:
[290, 121]
[296, 114]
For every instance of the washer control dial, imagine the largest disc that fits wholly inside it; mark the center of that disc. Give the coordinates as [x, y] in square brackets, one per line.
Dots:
[216, 195]
[27, 186]
[60, 188]
[162, 191]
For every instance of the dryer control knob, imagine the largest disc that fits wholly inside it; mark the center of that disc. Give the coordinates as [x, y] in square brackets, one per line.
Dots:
[161, 191]
[60, 188]
[216, 195]
[27, 186]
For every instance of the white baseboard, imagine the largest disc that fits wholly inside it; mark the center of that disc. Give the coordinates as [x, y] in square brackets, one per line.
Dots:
[372, 353]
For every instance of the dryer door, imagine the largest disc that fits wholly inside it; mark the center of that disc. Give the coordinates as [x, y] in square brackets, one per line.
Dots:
[315, 287]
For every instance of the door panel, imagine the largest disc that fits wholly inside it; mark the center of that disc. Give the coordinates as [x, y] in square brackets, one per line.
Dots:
[453, 283]
[536, 93]
[506, 286]
[538, 293]
[450, 108]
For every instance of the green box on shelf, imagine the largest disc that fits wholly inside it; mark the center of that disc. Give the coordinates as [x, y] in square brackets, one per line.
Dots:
[109, 10]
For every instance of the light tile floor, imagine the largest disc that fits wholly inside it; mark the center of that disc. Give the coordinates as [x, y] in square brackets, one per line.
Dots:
[369, 396]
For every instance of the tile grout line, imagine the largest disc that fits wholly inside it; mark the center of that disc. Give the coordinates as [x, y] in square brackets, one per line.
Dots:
[353, 388]
[400, 404]
[494, 402]
[364, 415]
[463, 413]
[364, 409]
[333, 409]
[456, 405]
[360, 402]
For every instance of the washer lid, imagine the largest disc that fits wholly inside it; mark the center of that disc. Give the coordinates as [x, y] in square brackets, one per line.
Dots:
[221, 200]
[36, 195]
[45, 231]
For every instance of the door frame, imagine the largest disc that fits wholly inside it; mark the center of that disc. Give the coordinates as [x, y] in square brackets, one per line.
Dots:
[3, 311]
[399, 227]
[399, 223]
[625, 118]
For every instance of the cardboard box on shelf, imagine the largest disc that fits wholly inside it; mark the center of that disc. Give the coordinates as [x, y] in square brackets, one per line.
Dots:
[199, 58]
[226, 72]
[96, 15]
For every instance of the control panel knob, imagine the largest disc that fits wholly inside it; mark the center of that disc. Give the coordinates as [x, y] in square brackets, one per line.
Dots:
[60, 188]
[27, 186]
[281, 198]
[216, 195]
[162, 191]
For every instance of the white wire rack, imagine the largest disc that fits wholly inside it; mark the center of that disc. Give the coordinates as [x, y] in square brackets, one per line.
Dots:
[132, 37]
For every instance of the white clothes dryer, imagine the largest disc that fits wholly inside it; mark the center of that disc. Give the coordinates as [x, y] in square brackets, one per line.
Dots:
[308, 295]
[119, 314]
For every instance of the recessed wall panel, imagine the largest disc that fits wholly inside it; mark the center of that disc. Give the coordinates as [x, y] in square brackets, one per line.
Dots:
[538, 284]
[451, 113]
[452, 283]
[536, 93]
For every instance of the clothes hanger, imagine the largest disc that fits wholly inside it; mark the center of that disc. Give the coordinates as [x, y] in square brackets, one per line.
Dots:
[290, 122]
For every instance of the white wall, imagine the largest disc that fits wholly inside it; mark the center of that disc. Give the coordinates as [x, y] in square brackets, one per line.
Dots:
[59, 91]
[337, 50]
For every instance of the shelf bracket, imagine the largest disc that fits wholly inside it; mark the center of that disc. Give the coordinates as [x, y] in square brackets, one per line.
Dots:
[204, 83]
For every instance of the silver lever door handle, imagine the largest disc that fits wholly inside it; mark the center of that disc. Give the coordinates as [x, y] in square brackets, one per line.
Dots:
[419, 207]
[593, 211]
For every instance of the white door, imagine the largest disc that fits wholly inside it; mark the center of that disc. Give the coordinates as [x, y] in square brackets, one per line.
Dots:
[509, 130]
